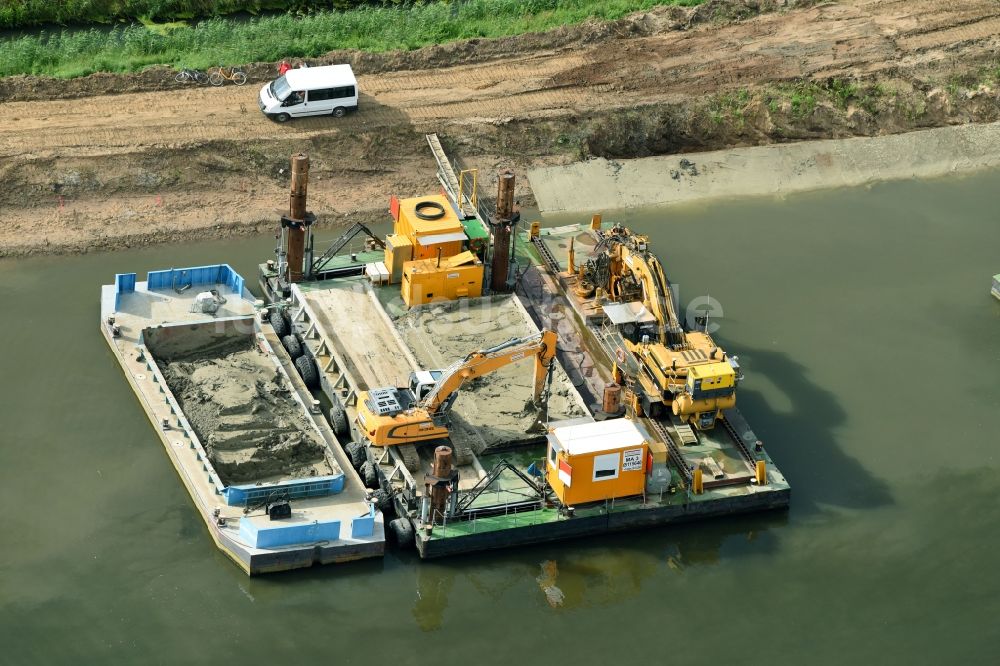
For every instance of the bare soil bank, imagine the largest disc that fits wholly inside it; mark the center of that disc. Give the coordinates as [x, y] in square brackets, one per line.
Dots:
[244, 414]
[111, 170]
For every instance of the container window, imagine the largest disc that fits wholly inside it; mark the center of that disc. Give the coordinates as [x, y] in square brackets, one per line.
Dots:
[552, 455]
[606, 466]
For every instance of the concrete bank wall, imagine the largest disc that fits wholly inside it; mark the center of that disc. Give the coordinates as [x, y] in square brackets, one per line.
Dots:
[777, 169]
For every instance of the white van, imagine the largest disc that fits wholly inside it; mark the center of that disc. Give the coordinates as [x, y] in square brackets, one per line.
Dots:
[310, 91]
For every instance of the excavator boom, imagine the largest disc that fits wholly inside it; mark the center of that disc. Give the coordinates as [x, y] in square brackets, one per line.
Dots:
[541, 346]
[392, 416]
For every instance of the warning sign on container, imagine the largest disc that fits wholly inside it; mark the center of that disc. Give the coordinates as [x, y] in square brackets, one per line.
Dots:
[632, 460]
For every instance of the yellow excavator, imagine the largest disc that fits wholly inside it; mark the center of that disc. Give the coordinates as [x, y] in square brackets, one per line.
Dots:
[683, 370]
[393, 416]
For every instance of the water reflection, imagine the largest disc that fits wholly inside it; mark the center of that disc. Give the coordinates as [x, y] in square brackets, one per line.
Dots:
[599, 572]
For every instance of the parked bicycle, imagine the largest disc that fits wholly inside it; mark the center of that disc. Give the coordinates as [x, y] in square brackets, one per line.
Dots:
[219, 75]
[191, 76]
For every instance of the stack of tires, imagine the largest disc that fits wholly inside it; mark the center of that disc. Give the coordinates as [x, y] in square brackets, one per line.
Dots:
[400, 528]
[304, 362]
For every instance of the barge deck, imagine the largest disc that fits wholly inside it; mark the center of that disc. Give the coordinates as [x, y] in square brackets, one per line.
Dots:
[331, 519]
[356, 331]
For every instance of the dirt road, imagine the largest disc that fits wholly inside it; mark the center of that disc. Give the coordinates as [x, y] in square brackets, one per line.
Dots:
[138, 167]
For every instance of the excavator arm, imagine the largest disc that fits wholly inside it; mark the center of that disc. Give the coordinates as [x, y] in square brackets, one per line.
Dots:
[648, 271]
[541, 347]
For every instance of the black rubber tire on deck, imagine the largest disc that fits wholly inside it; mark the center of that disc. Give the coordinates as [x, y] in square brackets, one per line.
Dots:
[292, 346]
[368, 475]
[306, 366]
[356, 452]
[338, 421]
[402, 530]
[382, 499]
[278, 323]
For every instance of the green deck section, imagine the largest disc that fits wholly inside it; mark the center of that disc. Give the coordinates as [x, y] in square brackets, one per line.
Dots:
[475, 229]
[530, 518]
[344, 260]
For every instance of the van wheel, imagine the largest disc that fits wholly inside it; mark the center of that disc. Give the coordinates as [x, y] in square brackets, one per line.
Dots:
[339, 112]
[282, 117]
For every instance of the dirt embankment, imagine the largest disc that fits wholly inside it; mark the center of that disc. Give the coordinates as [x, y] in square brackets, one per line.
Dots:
[86, 167]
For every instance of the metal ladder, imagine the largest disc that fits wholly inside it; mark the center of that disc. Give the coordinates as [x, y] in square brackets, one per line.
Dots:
[686, 434]
[446, 173]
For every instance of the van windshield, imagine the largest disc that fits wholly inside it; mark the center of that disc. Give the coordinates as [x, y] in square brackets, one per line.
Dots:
[280, 89]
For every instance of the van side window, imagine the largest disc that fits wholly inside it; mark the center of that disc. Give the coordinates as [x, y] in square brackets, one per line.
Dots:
[331, 93]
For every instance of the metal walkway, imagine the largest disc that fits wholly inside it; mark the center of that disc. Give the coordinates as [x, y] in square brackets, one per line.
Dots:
[450, 181]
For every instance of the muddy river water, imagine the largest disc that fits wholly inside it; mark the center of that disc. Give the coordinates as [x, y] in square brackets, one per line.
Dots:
[872, 352]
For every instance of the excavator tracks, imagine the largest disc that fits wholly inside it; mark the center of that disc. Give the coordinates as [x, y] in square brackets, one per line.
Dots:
[744, 451]
[673, 451]
[546, 254]
[410, 456]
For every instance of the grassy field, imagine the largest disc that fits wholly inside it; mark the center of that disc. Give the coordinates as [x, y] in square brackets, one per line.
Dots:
[19, 13]
[222, 41]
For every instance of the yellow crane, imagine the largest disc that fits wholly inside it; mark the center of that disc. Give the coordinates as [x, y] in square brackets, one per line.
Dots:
[683, 370]
[392, 415]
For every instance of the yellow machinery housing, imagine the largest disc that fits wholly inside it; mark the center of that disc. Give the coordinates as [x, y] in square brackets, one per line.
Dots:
[593, 462]
[426, 280]
[427, 252]
[668, 356]
[398, 251]
[431, 225]
[391, 416]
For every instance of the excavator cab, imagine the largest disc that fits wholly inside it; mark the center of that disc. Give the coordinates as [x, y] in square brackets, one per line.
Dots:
[422, 381]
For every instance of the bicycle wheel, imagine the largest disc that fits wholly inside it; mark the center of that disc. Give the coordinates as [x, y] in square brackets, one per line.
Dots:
[239, 78]
[201, 77]
[216, 79]
[181, 77]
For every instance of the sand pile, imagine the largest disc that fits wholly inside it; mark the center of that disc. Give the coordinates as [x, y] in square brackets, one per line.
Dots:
[245, 416]
[441, 334]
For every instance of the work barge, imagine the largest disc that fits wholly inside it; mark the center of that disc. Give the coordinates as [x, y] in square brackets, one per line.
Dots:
[404, 351]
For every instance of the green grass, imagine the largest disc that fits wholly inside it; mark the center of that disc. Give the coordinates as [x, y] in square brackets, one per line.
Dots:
[730, 106]
[221, 41]
[20, 13]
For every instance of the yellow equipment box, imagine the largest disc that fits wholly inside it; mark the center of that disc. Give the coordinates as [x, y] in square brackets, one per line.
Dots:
[431, 225]
[592, 462]
[426, 280]
[398, 251]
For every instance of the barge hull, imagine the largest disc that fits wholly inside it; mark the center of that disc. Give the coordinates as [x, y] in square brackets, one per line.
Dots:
[135, 307]
[621, 520]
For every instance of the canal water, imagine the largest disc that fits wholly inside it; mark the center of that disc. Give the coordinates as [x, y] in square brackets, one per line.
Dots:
[871, 348]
